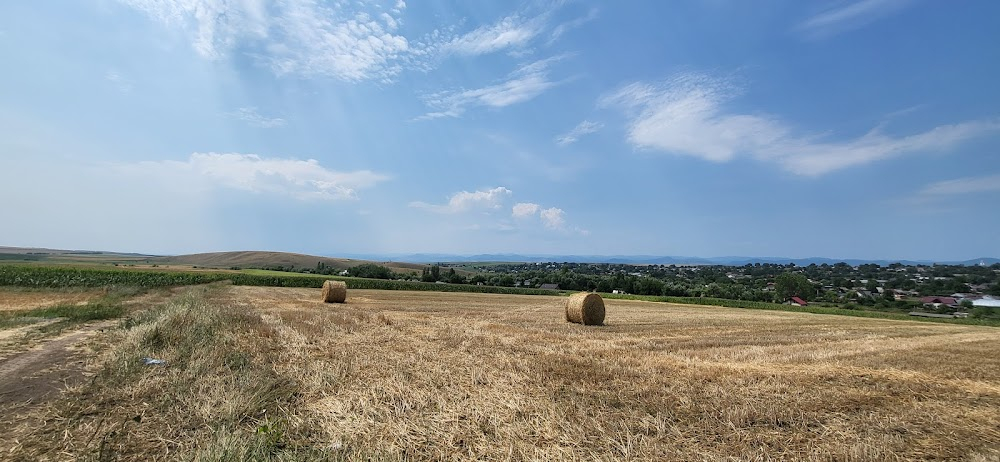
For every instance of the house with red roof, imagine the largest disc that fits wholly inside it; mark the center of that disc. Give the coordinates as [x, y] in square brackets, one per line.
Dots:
[797, 302]
[937, 301]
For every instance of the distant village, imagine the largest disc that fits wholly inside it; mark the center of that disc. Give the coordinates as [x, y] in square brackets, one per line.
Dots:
[930, 290]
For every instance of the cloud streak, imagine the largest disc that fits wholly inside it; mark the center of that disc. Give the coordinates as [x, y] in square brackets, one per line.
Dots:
[962, 186]
[584, 128]
[850, 16]
[514, 31]
[299, 179]
[524, 84]
[686, 115]
[254, 118]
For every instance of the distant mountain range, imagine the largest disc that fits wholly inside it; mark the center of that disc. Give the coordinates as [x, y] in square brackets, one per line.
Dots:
[416, 261]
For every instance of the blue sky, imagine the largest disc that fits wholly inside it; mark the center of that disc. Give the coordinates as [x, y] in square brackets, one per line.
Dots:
[845, 129]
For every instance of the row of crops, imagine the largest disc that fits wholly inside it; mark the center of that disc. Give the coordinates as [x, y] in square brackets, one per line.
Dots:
[47, 276]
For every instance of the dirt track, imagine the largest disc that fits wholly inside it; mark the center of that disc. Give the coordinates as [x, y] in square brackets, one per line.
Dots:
[34, 376]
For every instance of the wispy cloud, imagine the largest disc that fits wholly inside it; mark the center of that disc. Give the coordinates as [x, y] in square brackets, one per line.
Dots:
[254, 118]
[350, 41]
[561, 29]
[584, 128]
[121, 82]
[464, 201]
[347, 40]
[524, 84]
[687, 115]
[851, 16]
[960, 186]
[300, 179]
[514, 31]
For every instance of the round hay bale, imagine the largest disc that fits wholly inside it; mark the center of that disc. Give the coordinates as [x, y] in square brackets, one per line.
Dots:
[334, 291]
[585, 308]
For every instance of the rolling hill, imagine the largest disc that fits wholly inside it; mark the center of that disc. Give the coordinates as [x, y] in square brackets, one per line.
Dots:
[264, 259]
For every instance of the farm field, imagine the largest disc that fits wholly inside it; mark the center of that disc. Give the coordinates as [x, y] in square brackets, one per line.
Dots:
[272, 373]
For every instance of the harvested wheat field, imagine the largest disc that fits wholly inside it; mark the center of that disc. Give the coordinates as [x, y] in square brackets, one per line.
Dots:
[442, 376]
[21, 299]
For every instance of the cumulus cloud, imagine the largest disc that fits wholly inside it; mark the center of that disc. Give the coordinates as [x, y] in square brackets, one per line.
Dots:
[553, 218]
[687, 115]
[464, 201]
[300, 179]
[254, 118]
[584, 128]
[525, 209]
[490, 200]
[524, 84]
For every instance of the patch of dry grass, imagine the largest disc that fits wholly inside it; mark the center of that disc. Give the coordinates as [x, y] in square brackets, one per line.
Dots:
[439, 376]
[16, 298]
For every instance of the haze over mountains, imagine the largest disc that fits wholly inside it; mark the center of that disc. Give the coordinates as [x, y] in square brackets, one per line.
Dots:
[649, 259]
[277, 258]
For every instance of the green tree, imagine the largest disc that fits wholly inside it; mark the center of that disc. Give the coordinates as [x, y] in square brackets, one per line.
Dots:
[981, 312]
[788, 285]
[370, 270]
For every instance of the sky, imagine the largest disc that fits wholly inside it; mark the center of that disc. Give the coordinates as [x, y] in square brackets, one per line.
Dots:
[832, 128]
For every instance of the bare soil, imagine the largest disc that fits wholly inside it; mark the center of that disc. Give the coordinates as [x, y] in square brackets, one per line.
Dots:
[36, 375]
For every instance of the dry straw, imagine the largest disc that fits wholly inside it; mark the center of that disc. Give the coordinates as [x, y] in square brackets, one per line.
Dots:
[335, 291]
[585, 308]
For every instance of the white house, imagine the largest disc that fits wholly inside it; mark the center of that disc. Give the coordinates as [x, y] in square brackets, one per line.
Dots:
[987, 301]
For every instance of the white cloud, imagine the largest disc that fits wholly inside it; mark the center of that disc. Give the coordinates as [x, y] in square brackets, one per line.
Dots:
[584, 128]
[686, 115]
[561, 29]
[252, 117]
[347, 41]
[851, 16]
[553, 218]
[524, 84]
[967, 185]
[513, 31]
[525, 209]
[351, 41]
[123, 84]
[300, 179]
[464, 201]
[489, 200]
